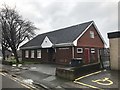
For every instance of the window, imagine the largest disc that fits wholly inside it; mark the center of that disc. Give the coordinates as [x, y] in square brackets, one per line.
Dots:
[92, 50]
[79, 50]
[38, 53]
[91, 34]
[26, 53]
[32, 53]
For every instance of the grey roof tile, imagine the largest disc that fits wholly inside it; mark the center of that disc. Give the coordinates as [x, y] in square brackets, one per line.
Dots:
[64, 35]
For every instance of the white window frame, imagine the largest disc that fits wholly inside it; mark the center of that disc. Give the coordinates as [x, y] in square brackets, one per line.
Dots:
[92, 35]
[32, 54]
[38, 53]
[26, 54]
[79, 51]
[92, 50]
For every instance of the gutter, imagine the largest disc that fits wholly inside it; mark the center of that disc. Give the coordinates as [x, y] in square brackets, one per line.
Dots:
[31, 47]
[54, 45]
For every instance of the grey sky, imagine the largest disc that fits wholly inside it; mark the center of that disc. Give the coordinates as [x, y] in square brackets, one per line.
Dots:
[49, 15]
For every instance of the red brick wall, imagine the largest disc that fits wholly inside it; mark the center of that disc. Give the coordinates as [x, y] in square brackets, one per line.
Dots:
[86, 41]
[63, 55]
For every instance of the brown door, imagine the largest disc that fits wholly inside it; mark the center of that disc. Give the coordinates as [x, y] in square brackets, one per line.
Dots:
[87, 55]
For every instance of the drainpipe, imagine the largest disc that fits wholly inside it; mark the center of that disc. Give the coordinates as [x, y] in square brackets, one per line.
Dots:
[73, 53]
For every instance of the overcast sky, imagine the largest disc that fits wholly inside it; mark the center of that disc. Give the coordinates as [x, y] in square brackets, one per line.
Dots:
[49, 15]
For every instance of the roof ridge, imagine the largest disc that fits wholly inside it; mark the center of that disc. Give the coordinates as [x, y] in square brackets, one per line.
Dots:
[57, 36]
[65, 27]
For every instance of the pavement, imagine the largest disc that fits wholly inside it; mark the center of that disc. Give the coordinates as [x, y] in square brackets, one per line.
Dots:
[44, 75]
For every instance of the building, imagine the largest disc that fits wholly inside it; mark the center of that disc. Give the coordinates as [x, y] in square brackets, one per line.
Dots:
[114, 40]
[78, 42]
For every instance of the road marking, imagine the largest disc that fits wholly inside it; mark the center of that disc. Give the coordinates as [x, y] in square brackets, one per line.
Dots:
[87, 75]
[87, 85]
[84, 84]
[19, 81]
[2, 74]
[103, 81]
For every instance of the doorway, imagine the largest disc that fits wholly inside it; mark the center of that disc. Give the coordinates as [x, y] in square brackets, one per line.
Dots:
[87, 55]
[51, 55]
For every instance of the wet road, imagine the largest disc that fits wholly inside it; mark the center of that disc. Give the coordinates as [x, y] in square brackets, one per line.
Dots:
[105, 79]
[9, 83]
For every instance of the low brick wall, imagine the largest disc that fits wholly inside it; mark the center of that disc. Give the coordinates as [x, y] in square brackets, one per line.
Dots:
[75, 72]
[65, 73]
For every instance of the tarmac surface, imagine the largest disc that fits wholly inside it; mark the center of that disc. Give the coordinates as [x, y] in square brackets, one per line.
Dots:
[105, 79]
[9, 83]
[45, 74]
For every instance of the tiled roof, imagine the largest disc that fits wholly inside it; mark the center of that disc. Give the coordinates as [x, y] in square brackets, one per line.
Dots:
[64, 35]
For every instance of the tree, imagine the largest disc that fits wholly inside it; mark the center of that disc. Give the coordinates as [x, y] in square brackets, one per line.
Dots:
[14, 30]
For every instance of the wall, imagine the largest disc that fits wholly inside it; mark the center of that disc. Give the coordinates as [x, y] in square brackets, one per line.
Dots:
[44, 56]
[60, 55]
[63, 55]
[114, 40]
[93, 56]
[115, 53]
[86, 41]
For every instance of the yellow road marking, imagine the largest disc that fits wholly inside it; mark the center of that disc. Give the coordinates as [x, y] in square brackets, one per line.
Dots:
[84, 84]
[18, 81]
[103, 81]
[87, 75]
[2, 74]
[87, 85]
[25, 85]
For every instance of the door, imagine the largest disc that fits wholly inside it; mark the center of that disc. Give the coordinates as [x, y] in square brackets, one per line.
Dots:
[51, 55]
[87, 55]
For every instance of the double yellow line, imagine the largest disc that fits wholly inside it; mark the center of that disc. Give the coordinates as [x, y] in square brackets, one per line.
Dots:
[19, 81]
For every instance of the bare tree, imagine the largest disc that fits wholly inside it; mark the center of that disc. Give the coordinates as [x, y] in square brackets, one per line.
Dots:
[14, 29]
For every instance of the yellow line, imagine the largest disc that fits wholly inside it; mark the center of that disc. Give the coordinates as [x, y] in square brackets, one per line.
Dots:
[84, 84]
[87, 75]
[2, 74]
[25, 86]
[87, 85]
[18, 81]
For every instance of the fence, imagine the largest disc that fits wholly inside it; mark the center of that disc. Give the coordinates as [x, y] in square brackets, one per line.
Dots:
[105, 58]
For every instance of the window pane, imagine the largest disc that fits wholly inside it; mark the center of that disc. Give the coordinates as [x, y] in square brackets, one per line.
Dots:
[38, 53]
[91, 34]
[32, 54]
[92, 50]
[79, 50]
[26, 54]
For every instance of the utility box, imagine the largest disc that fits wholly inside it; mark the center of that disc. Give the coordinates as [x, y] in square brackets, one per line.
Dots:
[114, 41]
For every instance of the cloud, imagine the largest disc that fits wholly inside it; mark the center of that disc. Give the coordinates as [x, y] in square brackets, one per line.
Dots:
[50, 15]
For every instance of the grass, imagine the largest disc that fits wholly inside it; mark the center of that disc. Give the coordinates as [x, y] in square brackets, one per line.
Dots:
[30, 62]
[11, 60]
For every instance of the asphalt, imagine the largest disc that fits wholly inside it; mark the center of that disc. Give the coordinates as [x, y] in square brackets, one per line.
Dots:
[105, 79]
[44, 75]
[9, 83]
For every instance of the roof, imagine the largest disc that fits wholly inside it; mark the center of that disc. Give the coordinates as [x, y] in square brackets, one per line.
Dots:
[65, 35]
[114, 34]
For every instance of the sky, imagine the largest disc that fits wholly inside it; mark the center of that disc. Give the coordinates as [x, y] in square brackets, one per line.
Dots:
[50, 15]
